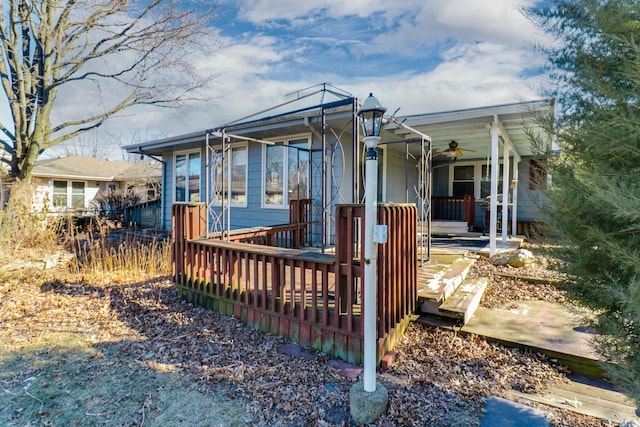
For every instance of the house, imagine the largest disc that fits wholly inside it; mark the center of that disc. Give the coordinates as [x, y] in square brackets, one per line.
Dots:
[288, 180]
[249, 172]
[73, 183]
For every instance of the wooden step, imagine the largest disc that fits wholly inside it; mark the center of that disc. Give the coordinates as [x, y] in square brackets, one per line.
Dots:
[592, 400]
[465, 300]
[449, 227]
[436, 286]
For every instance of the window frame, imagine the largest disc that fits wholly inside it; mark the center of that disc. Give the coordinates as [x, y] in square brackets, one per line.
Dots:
[187, 195]
[233, 146]
[284, 142]
[69, 194]
[477, 176]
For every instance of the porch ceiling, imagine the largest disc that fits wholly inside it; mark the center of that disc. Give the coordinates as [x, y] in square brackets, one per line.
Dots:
[471, 128]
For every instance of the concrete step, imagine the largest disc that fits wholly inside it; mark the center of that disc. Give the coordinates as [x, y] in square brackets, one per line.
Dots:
[465, 300]
[500, 412]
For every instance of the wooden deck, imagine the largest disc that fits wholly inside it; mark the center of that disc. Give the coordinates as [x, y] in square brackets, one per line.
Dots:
[311, 298]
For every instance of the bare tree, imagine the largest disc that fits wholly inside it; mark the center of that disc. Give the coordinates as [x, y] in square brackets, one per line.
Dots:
[116, 54]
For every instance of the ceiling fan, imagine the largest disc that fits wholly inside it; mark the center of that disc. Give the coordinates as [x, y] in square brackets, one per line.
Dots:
[454, 150]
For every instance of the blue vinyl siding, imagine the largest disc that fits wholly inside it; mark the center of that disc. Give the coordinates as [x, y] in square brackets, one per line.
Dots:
[401, 177]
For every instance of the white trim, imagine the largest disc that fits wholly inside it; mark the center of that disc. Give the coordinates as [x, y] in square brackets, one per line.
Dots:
[69, 194]
[477, 175]
[175, 181]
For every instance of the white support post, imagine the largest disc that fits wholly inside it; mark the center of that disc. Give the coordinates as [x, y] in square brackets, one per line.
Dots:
[506, 182]
[370, 263]
[514, 200]
[493, 208]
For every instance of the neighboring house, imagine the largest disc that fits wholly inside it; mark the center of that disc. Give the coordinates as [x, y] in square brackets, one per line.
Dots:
[247, 173]
[71, 184]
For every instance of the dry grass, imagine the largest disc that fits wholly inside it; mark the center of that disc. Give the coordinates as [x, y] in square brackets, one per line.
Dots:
[121, 257]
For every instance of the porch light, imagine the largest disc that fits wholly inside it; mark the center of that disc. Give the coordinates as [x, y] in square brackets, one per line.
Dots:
[370, 115]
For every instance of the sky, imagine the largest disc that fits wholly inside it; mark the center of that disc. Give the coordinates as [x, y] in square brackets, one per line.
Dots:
[419, 56]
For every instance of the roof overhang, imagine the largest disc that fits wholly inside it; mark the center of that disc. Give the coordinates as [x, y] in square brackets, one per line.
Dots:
[471, 128]
[339, 113]
[74, 177]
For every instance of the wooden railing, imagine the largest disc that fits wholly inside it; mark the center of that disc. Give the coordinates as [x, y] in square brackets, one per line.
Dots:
[309, 297]
[300, 216]
[283, 236]
[456, 208]
[146, 214]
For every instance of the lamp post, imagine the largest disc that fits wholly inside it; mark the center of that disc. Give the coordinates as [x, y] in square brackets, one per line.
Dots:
[367, 400]
[371, 114]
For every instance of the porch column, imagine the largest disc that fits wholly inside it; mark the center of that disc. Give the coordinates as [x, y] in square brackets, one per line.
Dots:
[506, 173]
[493, 208]
[514, 199]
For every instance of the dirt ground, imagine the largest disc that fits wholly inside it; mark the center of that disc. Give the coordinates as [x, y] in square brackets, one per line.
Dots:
[86, 351]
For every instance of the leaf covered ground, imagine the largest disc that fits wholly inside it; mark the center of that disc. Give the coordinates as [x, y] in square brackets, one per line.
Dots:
[81, 351]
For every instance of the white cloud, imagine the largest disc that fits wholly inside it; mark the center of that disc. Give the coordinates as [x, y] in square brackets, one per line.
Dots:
[261, 11]
[471, 75]
[448, 55]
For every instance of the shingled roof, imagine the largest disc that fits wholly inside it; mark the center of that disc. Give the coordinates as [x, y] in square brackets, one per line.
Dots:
[91, 168]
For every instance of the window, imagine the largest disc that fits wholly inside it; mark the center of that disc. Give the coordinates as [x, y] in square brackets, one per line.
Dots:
[290, 157]
[187, 170]
[473, 178]
[298, 170]
[237, 194]
[68, 194]
[59, 194]
[463, 180]
[77, 195]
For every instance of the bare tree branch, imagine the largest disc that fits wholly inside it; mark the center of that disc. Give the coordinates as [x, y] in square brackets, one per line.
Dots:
[134, 52]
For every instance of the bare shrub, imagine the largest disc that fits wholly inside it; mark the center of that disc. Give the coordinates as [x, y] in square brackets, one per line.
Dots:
[113, 202]
[20, 226]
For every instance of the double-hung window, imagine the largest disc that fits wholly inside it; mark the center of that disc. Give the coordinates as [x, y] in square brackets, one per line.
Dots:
[463, 180]
[187, 174]
[230, 175]
[474, 179]
[68, 194]
[286, 172]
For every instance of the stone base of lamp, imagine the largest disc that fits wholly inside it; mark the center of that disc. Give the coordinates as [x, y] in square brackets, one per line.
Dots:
[366, 407]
